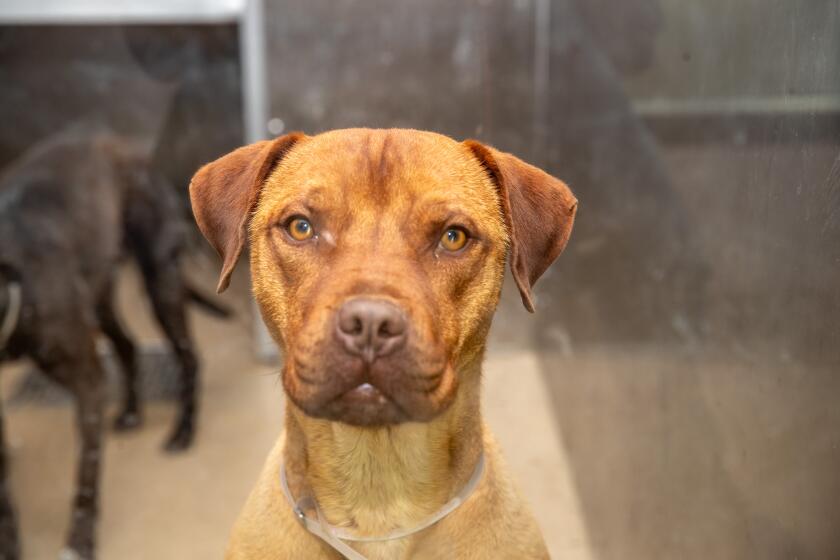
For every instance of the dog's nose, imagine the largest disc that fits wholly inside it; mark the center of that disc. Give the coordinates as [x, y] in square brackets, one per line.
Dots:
[370, 328]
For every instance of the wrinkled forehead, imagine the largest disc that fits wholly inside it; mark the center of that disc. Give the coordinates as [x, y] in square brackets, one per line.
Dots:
[382, 173]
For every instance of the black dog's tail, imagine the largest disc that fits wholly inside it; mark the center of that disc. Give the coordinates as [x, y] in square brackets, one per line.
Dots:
[207, 303]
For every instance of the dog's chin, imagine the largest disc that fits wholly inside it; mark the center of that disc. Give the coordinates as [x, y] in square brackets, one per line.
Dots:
[362, 396]
[364, 405]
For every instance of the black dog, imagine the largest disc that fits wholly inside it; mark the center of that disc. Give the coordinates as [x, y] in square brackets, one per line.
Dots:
[68, 210]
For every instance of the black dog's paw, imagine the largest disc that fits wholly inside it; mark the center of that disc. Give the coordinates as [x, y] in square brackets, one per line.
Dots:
[9, 543]
[127, 420]
[9, 549]
[80, 545]
[73, 554]
[180, 440]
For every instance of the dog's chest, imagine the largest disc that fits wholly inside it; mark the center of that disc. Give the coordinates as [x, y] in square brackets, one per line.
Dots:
[408, 549]
[387, 550]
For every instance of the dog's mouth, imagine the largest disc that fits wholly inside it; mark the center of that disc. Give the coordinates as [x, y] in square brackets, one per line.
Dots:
[368, 396]
[365, 394]
[364, 405]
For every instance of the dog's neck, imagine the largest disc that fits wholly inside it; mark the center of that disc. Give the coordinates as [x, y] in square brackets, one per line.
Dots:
[375, 480]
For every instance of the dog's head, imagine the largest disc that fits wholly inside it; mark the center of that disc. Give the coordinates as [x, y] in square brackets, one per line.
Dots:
[377, 258]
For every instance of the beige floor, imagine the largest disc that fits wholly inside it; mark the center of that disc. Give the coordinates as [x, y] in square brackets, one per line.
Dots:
[156, 506]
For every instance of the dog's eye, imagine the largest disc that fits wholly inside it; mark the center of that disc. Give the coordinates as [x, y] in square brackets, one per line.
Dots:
[300, 229]
[453, 239]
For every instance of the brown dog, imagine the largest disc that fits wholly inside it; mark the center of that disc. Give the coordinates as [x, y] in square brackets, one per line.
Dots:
[377, 259]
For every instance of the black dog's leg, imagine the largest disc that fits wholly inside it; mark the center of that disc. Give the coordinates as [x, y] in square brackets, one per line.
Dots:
[9, 544]
[155, 235]
[89, 423]
[168, 295]
[77, 367]
[129, 417]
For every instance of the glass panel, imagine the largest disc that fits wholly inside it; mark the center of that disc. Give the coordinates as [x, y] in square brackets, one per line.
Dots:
[674, 394]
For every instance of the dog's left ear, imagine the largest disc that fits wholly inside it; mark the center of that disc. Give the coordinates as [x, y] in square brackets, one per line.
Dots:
[224, 192]
[539, 211]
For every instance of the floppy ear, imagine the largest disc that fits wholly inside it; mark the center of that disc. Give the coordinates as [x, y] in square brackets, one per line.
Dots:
[539, 211]
[223, 194]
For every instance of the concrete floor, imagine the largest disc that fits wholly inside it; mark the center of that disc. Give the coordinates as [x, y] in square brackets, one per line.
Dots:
[181, 507]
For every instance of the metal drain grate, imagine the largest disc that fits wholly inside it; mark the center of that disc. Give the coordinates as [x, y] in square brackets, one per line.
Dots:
[158, 379]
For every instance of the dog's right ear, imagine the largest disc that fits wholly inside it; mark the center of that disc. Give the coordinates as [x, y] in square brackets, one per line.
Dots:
[223, 194]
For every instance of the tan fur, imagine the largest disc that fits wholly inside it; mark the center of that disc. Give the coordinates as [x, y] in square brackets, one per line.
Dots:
[377, 196]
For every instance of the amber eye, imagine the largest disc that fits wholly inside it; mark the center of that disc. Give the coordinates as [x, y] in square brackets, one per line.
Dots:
[453, 239]
[300, 229]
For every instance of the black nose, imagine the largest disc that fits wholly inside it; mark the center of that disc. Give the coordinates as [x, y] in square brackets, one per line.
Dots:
[370, 328]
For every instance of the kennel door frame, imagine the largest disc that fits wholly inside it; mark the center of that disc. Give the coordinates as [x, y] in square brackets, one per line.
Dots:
[108, 12]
